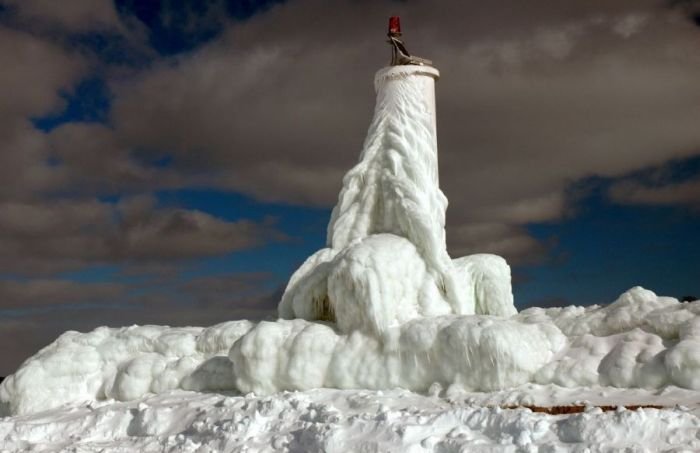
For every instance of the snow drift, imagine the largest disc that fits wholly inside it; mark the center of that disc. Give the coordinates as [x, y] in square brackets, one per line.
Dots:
[382, 306]
[339, 421]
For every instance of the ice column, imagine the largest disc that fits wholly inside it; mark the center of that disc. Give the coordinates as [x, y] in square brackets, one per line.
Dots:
[386, 259]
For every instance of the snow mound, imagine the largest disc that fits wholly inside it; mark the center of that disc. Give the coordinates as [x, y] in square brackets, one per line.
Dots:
[123, 364]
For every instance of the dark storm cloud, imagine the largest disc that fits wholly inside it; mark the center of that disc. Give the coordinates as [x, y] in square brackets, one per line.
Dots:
[587, 89]
[690, 7]
[47, 237]
[33, 72]
[234, 287]
[211, 295]
[633, 192]
[73, 15]
[500, 238]
[40, 235]
[34, 313]
[93, 160]
[43, 292]
[20, 338]
[672, 184]
[277, 106]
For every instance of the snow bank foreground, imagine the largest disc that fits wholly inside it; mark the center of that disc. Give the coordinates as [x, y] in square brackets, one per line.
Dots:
[335, 421]
[640, 340]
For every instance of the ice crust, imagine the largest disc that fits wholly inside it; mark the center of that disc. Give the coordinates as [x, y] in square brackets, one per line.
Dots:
[381, 306]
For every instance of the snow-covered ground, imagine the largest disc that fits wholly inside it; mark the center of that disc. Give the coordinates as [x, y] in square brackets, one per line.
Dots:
[328, 420]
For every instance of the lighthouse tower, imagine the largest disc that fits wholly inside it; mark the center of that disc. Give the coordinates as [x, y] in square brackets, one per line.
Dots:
[385, 261]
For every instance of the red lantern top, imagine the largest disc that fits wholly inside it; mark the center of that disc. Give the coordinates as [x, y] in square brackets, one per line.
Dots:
[394, 25]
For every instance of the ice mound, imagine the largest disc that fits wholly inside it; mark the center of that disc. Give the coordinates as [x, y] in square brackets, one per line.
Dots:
[471, 352]
[386, 259]
[123, 364]
[640, 340]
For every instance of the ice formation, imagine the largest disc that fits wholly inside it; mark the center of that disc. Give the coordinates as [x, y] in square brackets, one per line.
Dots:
[122, 364]
[382, 306]
[386, 260]
[639, 341]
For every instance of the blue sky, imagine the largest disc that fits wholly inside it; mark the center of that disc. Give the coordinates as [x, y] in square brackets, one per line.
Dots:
[173, 162]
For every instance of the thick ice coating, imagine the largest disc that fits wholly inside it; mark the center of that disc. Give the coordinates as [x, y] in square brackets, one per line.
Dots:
[123, 364]
[639, 341]
[471, 352]
[386, 259]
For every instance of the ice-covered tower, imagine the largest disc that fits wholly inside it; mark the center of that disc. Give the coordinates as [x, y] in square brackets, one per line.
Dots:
[386, 260]
[395, 186]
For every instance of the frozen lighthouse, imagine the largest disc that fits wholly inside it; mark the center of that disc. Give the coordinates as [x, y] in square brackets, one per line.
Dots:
[386, 261]
[381, 306]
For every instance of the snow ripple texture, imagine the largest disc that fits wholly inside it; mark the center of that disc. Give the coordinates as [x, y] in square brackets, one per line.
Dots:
[382, 306]
[332, 421]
